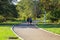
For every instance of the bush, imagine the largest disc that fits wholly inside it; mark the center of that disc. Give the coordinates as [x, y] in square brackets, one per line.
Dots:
[53, 20]
[2, 19]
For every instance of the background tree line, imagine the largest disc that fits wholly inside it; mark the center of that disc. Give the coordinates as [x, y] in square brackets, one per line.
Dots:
[35, 9]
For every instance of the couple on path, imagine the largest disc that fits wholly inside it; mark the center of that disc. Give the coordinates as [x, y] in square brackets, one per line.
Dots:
[29, 20]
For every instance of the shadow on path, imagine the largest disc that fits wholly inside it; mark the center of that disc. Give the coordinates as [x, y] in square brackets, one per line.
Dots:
[25, 25]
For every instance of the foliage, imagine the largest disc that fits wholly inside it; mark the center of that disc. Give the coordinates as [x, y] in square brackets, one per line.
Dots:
[31, 8]
[1, 18]
[8, 10]
[27, 8]
[52, 7]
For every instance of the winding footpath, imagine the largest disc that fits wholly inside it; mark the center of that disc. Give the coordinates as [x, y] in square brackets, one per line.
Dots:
[31, 32]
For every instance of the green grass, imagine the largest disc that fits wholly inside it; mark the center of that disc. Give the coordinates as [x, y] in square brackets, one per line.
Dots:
[11, 22]
[55, 28]
[6, 32]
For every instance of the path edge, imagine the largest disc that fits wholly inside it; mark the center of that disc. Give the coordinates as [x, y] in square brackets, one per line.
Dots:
[47, 31]
[16, 33]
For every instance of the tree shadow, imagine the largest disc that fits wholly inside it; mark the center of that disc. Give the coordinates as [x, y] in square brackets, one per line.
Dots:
[25, 26]
[7, 24]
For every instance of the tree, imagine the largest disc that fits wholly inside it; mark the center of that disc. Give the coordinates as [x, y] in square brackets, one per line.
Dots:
[8, 10]
[52, 8]
[25, 8]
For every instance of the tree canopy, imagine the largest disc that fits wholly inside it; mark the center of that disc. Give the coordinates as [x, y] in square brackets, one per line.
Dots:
[7, 9]
[38, 7]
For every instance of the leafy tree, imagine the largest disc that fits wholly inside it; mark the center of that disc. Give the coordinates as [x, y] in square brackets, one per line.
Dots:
[8, 10]
[24, 8]
[52, 8]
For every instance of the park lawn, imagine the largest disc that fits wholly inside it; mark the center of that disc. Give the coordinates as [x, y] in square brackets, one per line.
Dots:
[55, 28]
[6, 32]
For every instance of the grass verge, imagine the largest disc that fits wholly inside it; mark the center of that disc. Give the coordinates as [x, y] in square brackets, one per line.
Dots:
[55, 28]
[6, 32]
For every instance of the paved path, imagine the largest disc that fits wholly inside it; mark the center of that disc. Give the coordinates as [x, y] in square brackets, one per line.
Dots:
[30, 32]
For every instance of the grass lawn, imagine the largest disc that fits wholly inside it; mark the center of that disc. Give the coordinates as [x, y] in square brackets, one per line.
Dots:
[55, 28]
[6, 32]
[11, 23]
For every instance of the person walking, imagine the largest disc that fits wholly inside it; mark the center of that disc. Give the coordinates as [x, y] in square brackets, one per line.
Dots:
[29, 20]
